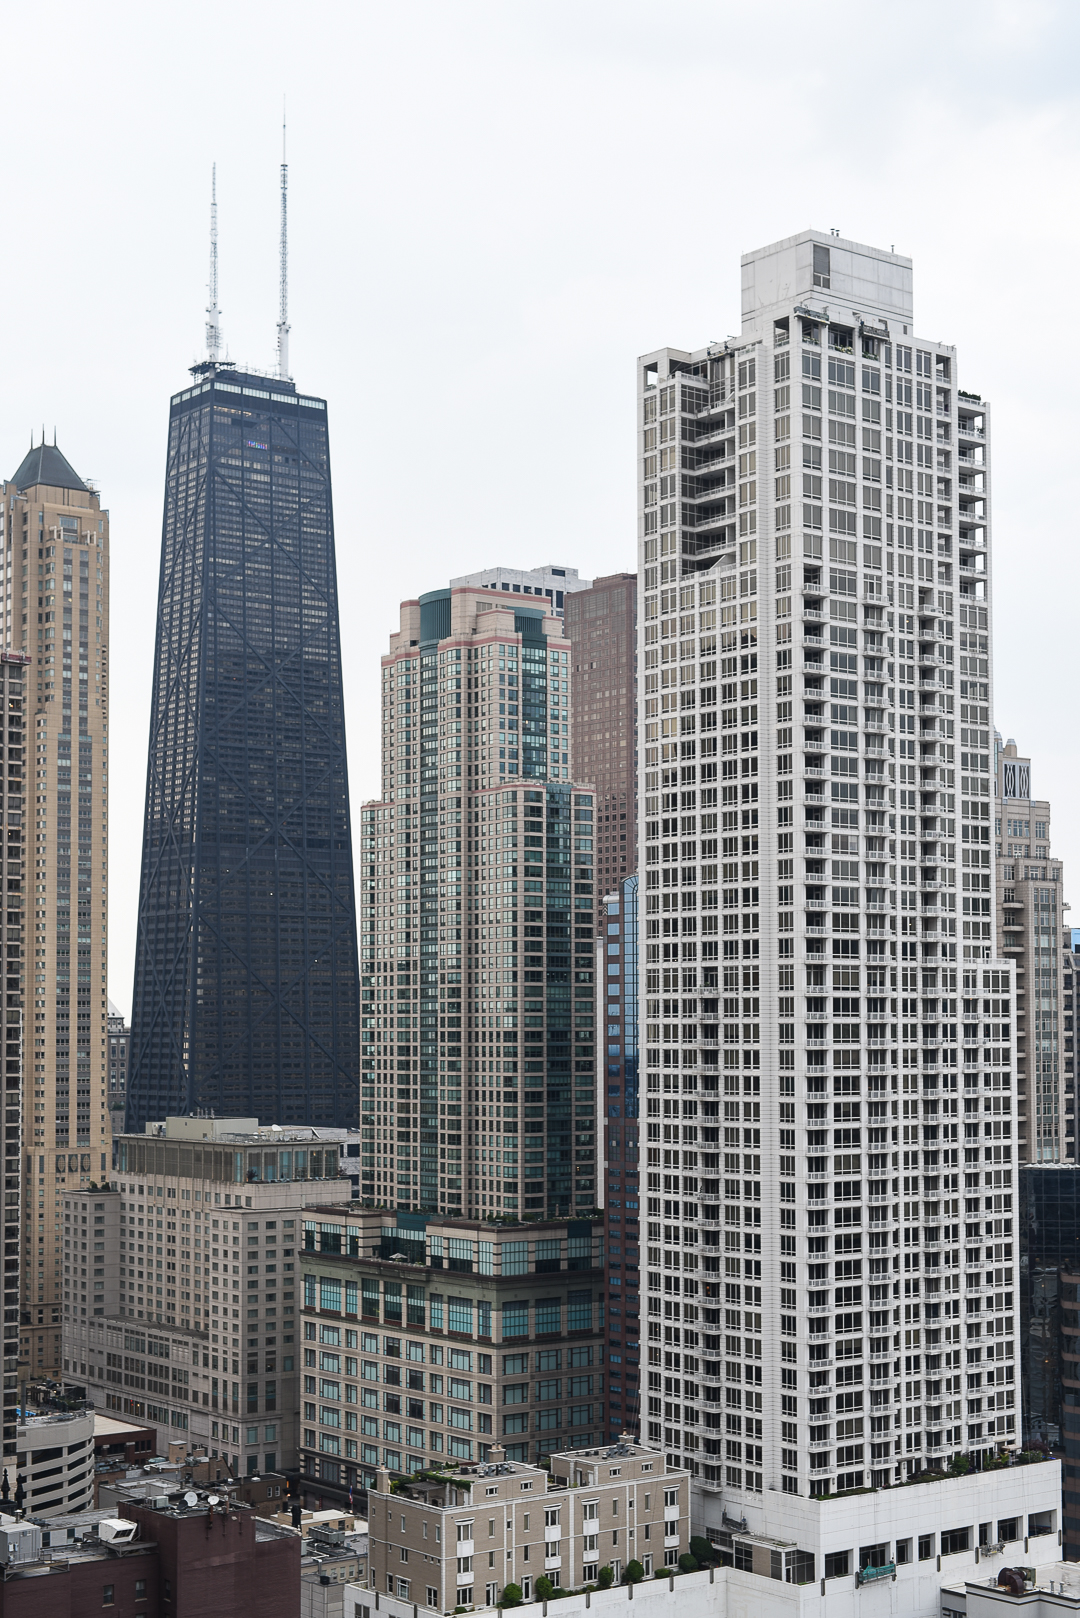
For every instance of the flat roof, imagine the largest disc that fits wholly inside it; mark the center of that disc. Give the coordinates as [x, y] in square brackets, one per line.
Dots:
[110, 1427]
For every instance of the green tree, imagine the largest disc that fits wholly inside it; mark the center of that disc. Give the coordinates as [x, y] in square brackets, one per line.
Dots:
[688, 1563]
[544, 1588]
[701, 1549]
[511, 1596]
[634, 1573]
[605, 1578]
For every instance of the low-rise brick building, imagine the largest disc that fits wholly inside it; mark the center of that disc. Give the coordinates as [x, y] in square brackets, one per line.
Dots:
[182, 1561]
[458, 1539]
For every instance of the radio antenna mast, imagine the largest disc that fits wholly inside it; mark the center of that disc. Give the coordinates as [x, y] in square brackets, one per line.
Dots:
[213, 328]
[283, 273]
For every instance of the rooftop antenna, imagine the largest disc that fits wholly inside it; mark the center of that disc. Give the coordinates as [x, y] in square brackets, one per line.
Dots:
[283, 272]
[213, 329]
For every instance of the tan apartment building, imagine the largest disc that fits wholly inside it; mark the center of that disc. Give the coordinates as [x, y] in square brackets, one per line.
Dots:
[457, 1539]
[602, 625]
[1029, 931]
[210, 1216]
[477, 913]
[14, 678]
[56, 612]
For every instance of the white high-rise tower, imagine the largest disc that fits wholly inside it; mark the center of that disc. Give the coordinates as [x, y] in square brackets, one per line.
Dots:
[828, 1049]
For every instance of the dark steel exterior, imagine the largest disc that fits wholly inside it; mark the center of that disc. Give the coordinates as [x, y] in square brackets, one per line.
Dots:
[246, 995]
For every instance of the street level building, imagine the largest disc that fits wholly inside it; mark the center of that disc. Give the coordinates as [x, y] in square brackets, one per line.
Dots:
[57, 534]
[426, 1338]
[246, 999]
[831, 1162]
[841, 1555]
[1030, 933]
[163, 1559]
[456, 1540]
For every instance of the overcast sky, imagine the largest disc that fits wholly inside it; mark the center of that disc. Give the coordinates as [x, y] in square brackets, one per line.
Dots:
[494, 208]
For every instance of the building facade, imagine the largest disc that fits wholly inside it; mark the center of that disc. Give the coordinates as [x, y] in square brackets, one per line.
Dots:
[119, 1052]
[456, 1541]
[210, 1211]
[814, 648]
[171, 1558]
[1049, 1254]
[168, 1380]
[15, 674]
[91, 1257]
[553, 585]
[601, 623]
[246, 991]
[431, 1337]
[477, 922]
[825, 1557]
[57, 521]
[617, 978]
[55, 1458]
[1030, 932]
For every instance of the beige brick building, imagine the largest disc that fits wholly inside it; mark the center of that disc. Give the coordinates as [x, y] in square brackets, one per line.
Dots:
[458, 1538]
[58, 558]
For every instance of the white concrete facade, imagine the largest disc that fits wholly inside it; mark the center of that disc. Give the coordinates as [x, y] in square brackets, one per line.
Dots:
[550, 581]
[830, 1149]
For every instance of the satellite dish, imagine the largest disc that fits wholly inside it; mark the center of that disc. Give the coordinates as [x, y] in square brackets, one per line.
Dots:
[213, 1500]
[191, 1498]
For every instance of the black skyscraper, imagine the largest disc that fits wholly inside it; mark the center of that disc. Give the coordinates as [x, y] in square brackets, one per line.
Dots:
[246, 997]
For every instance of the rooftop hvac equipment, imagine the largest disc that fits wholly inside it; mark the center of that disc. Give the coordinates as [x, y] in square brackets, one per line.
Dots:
[117, 1530]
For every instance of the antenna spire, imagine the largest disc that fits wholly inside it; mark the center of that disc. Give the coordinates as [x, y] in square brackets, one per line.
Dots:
[213, 328]
[283, 272]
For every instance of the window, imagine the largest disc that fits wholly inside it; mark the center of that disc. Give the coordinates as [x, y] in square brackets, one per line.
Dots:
[822, 275]
[903, 1552]
[838, 1565]
[548, 1316]
[515, 1258]
[515, 1320]
[140, 1589]
[1008, 1529]
[954, 1540]
[107, 1595]
[926, 1547]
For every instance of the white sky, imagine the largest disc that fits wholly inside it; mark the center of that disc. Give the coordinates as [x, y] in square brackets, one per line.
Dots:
[494, 208]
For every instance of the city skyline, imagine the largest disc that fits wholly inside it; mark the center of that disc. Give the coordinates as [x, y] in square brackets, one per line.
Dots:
[537, 262]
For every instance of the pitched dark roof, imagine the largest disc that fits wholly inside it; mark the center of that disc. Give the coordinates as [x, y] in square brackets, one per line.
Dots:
[45, 464]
